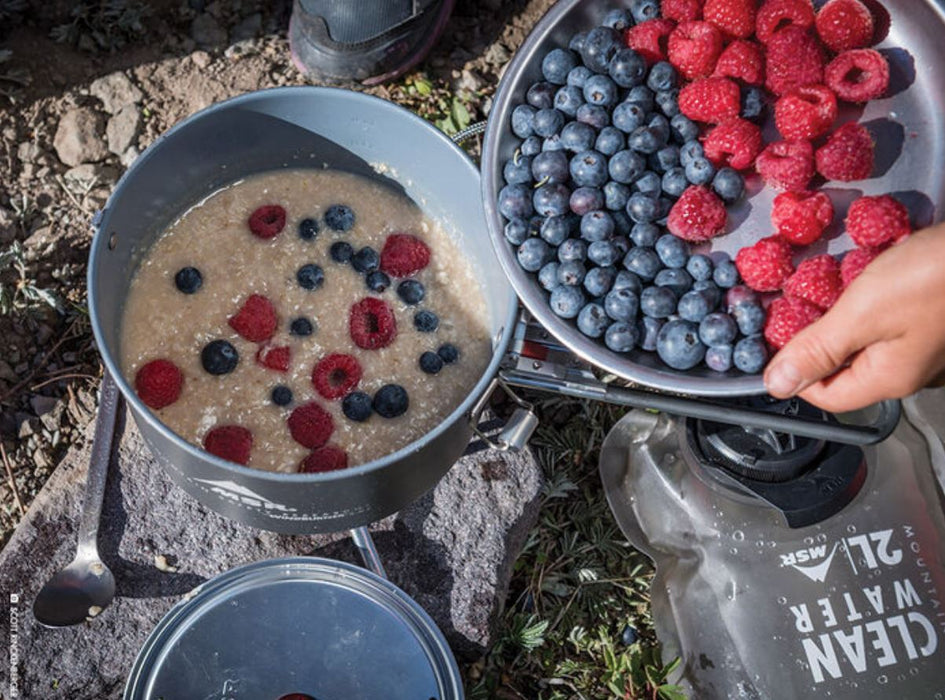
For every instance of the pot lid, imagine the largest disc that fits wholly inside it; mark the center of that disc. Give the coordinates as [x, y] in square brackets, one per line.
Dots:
[319, 628]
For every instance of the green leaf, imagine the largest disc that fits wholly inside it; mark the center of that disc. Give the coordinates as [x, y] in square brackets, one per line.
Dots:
[671, 692]
[424, 87]
[460, 114]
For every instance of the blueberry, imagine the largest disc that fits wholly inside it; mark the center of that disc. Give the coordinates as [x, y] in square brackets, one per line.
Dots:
[642, 96]
[548, 122]
[310, 276]
[609, 141]
[616, 196]
[729, 185]
[566, 302]
[551, 200]
[739, 294]
[666, 206]
[571, 274]
[301, 326]
[365, 260]
[622, 226]
[188, 280]
[391, 400]
[603, 253]
[719, 358]
[643, 262]
[600, 45]
[430, 362]
[644, 140]
[618, 19]
[675, 279]
[700, 267]
[699, 171]
[649, 183]
[694, 306]
[281, 395]
[548, 275]
[523, 121]
[516, 233]
[644, 10]
[621, 242]
[657, 302]
[626, 166]
[550, 167]
[577, 136]
[678, 345]
[426, 321]
[219, 357]
[599, 281]
[579, 75]
[629, 635]
[664, 159]
[592, 321]
[308, 229]
[586, 199]
[518, 170]
[576, 43]
[750, 354]
[377, 281]
[411, 292]
[643, 208]
[594, 116]
[600, 90]
[683, 129]
[533, 254]
[725, 274]
[555, 230]
[628, 280]
[597, 226]
[339, 217]
[572, 249]
[628, 116]
[750, 317]
[648, 329]
[673, 251]
[541, 95]
[531, 146]
[668, 102]
[357, 406]
[674, 181]
[752, 104]
[711, 291]
[627, 68]
[622, 304]
[621, 336]
[556, 65]
[568, 99]
[645, 235]
[589, 169]
[552, 143]
[515, 201]
[717, 329]
[689, 151]
[449, 353]
[662, 77]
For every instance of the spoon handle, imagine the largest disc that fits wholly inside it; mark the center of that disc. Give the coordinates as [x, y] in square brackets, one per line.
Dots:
[98, 465]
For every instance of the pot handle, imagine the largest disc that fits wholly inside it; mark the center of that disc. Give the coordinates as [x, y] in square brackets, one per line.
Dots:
[518, 428]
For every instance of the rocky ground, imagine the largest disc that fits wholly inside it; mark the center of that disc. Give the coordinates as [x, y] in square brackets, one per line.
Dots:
[84, 88]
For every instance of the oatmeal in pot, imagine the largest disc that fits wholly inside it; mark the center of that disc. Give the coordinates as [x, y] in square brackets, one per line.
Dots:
[304, 320]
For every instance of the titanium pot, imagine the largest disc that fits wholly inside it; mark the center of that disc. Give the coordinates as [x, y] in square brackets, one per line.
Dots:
[266, 130]
[908, 127]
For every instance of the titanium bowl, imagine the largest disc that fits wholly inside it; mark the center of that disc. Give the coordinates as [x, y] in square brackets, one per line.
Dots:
[266, 130]
[908, 127]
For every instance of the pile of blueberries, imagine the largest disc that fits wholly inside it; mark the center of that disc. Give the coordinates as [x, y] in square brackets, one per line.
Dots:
[605, 153]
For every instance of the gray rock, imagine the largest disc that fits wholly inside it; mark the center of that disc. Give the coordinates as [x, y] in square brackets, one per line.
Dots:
[42, 405]
[83, 177]
[241, 49]
[28, 151]
[122, 129]
[201, 59]
[207, 32]
[452, 551]
[248, 28]
[115, 90]
[129, 156]
[79, 137]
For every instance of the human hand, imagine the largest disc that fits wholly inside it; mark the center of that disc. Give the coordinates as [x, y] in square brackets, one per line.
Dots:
[883, 339]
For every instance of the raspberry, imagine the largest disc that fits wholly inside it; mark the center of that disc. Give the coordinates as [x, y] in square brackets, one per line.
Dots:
[855, 261]
[795, 58]
[371, 324]
[786, 318]
[765, 265]
[816, 280]
[801, 217]
[267, 221]
[327, 458]
[860, 75]
[694, 47]
[787, 165]
[310, 425]
[697, 215]
[158, 383]
[256, 320]
[335, 375]
[735, 143]
[743, 60]
[735, 18]
[873, 221]
[776, 15]
[847, 155]
[650, 39]
[710, 100]
[805, 112]
[404, 255]
[681, 10]
[276, 358]
[230, 442]
[844, 25]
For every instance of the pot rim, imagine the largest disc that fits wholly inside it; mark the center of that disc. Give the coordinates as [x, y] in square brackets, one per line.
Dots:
[99, 245]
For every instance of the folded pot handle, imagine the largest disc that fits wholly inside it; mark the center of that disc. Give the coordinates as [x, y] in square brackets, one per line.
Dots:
[518, 428]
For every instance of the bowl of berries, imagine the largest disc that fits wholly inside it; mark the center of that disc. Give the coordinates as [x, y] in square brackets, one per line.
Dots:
[676, 188]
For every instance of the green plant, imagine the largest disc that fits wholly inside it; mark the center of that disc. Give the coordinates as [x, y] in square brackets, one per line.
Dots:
[106, 25]
[18, 291]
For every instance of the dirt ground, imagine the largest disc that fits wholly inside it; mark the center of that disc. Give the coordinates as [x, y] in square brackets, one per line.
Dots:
[93, 84]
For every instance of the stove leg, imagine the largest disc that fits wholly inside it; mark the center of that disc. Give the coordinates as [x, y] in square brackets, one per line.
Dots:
[365, 544]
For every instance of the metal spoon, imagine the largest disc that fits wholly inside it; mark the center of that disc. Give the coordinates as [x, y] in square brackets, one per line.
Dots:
[85, 587]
